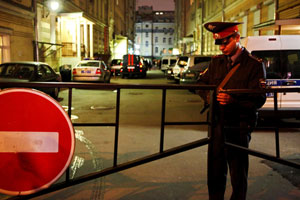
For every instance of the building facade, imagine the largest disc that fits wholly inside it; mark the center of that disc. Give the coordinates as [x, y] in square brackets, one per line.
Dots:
[259, 17]
[64, 32]
[154, 32]
[16, 30]
[122, 27]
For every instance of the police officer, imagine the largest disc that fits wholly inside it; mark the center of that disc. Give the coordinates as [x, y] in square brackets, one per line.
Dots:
[235, 114]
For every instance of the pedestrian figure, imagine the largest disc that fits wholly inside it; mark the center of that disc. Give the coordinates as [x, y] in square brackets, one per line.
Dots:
[235, 114]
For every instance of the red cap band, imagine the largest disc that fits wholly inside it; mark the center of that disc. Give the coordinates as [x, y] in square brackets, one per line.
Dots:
[226, 32]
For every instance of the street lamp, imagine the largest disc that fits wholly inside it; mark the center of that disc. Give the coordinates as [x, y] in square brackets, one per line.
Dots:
[36, 46]
[54, 5]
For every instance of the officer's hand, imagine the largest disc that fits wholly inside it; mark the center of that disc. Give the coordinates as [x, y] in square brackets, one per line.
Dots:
[224, 98]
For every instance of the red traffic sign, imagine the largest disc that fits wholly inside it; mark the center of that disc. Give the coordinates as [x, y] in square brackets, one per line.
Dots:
[36, 141]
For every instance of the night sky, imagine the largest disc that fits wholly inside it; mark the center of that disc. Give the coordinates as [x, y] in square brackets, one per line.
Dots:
[157, 4]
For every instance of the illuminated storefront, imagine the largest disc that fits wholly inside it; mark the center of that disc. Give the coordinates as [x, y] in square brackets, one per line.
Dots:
[76, 35]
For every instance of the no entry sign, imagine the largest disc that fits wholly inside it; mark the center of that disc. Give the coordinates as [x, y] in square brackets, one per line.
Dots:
[36, 141]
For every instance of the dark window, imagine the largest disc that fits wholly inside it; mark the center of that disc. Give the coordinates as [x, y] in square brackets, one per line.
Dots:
[280, 64]
[19, 71]
[44, 72]
[116, 62]
[89, 64]
[165, 61]
[173, 61]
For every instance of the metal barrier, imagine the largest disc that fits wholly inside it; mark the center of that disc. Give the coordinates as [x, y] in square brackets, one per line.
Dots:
[276, 123]
[162, 153]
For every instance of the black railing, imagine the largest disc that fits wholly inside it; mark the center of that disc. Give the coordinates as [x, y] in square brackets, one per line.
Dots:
[162, 153]
[275, 125]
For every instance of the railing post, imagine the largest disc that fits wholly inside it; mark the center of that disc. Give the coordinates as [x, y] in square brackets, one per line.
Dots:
[70, 114]
[162, 126]
[211, 127]
[117, 128]
[276, 126]
[210, 118]
[70, 102]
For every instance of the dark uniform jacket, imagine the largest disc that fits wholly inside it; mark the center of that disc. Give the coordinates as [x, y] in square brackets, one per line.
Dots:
[250, 74]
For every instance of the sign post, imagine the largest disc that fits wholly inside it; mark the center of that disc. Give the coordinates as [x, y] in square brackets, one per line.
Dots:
[36, 141]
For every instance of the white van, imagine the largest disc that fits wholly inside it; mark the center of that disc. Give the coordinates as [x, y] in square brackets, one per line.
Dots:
[184, 62]
[281, 55]
[168, 61]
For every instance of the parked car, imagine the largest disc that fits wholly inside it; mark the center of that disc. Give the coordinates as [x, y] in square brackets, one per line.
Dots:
[180, 63]
[184, 62]
[115, 66]
[91, 70]
[179, 66]
[191, 74]
[133, 66]
[30, 72]
[168, 61]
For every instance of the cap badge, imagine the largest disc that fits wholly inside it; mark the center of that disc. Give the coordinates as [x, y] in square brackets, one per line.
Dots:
[216, 36]
[211, 27]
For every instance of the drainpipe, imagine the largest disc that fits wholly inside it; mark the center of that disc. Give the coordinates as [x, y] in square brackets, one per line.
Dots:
[223, 11]
[78, 38]
[91, 41]
[152, 43]
[277, 16]
[195, 32]
[85, 38]
[201, 28]
[36, 45]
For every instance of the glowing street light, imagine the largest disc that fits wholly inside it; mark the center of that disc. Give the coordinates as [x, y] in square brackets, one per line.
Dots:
[53, 5]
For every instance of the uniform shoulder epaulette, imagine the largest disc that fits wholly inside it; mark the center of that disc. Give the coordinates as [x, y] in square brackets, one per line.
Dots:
[255, 58]
[218, 56]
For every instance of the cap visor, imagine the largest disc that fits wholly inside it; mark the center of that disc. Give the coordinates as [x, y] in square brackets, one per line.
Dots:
[218, 41]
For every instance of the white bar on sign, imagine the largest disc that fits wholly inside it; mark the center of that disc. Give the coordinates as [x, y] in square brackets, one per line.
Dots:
[28, 142]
